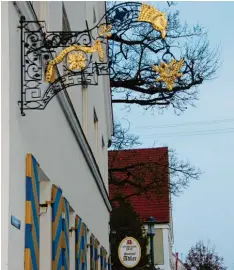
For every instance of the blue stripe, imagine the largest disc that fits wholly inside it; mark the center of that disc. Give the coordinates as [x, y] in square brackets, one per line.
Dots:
[65, 263]
[29, 244]
[28, 230]
[56, 204]
[28, 188]
[58, 233]
[78, 230]
[60, 261]
[35, 217]
[79, 255]
[35, 169]
[65, 231]
[67, 209]
[66, 234]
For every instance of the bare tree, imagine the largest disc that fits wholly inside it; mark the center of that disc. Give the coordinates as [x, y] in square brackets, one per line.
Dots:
[135, 47]
[134, 175]
[204, 257]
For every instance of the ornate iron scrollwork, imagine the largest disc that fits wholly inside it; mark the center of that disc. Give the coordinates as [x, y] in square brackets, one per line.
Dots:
[53, 61]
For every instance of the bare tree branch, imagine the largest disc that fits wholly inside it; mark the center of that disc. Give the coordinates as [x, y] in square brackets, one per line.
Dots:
[147, 177]
[134, 48]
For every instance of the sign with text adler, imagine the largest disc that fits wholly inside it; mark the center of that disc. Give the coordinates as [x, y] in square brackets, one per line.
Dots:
[129, 252]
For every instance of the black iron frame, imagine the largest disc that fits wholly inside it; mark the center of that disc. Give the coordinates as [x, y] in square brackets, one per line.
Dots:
[39, 47]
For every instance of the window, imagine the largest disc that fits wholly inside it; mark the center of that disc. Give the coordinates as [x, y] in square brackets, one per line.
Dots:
[85, 110]
[94, 16]
[103, 158]
[95, 121]
[158, 250]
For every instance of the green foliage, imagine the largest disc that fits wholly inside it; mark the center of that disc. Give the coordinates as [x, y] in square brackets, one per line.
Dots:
[125, 222]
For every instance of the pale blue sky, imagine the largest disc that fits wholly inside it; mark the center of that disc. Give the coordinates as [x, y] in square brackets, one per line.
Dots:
[206, 210]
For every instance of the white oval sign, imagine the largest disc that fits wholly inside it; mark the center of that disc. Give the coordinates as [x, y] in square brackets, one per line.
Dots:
[129, 252]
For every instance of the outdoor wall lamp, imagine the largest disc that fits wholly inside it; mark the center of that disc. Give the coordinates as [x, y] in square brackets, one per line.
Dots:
[151, 233]
[53, 61]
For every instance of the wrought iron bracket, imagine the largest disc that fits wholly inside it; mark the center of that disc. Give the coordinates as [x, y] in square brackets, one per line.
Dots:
[39, 49]
[52, 61]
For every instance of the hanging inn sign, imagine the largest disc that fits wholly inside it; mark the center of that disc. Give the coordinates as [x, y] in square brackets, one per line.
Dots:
[129, 252]
[53, 61]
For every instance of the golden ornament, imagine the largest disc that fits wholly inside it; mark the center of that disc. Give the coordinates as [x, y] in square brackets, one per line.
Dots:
[169, 72]
[155, 17]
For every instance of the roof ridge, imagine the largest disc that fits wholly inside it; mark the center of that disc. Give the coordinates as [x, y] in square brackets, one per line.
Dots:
[138, 149]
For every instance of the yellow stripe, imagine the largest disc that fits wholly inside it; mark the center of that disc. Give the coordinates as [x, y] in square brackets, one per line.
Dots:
[35, 244]
[57, 218]
[67, 258]
[54, 191]
[28, 212]
[34, 188]
[59, 249]
[29, 165]
[53, 265]
[27, 259]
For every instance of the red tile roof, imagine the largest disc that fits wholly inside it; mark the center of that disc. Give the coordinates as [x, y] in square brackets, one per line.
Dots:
[153, 205]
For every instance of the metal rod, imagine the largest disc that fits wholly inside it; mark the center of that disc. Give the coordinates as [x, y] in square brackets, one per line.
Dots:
[152, 249]
[22, 19]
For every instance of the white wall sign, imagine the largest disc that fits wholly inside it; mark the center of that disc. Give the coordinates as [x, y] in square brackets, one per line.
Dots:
[129, 252]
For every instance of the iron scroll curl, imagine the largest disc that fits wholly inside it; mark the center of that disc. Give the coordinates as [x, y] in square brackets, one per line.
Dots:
[80, 56]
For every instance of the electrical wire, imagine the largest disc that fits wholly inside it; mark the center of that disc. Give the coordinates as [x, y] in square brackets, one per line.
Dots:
[191, 133]
[189, 124]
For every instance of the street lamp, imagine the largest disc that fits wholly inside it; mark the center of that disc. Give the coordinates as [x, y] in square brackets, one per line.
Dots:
[151, 232]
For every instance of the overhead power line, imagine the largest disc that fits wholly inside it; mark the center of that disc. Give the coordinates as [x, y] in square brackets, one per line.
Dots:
[189, 124]
[191, 133]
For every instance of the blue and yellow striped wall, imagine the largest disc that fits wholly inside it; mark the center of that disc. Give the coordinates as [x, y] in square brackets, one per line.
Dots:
[96, 255]
[66, 261]
[81, 244]
[92, 255]
[32, 214]
[84, 246]
[60, 230]
[78, 242]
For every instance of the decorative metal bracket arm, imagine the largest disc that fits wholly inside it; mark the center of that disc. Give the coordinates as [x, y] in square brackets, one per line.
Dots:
[41, 53]
[54, 61]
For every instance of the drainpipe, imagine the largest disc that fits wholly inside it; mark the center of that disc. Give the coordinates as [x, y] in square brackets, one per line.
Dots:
[176, 260]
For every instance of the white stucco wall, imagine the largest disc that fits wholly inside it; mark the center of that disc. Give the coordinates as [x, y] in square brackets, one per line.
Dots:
[180, 265]
[47, 135]
[5, 184]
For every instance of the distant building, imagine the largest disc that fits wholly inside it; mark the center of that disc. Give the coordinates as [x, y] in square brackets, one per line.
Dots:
[177, 263]
[55, 211]
[157, 205]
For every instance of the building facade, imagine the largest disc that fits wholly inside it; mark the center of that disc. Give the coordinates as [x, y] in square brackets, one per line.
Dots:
[177, 263]
[55, 210]
[148, 166]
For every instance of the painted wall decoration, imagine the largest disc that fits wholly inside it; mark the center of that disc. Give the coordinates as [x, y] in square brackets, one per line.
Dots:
[32, 214]
[81, 244]
[92, 255]
[103, 258]
[84, 246]
[60, 230]
[96, 255]
[66, 235]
